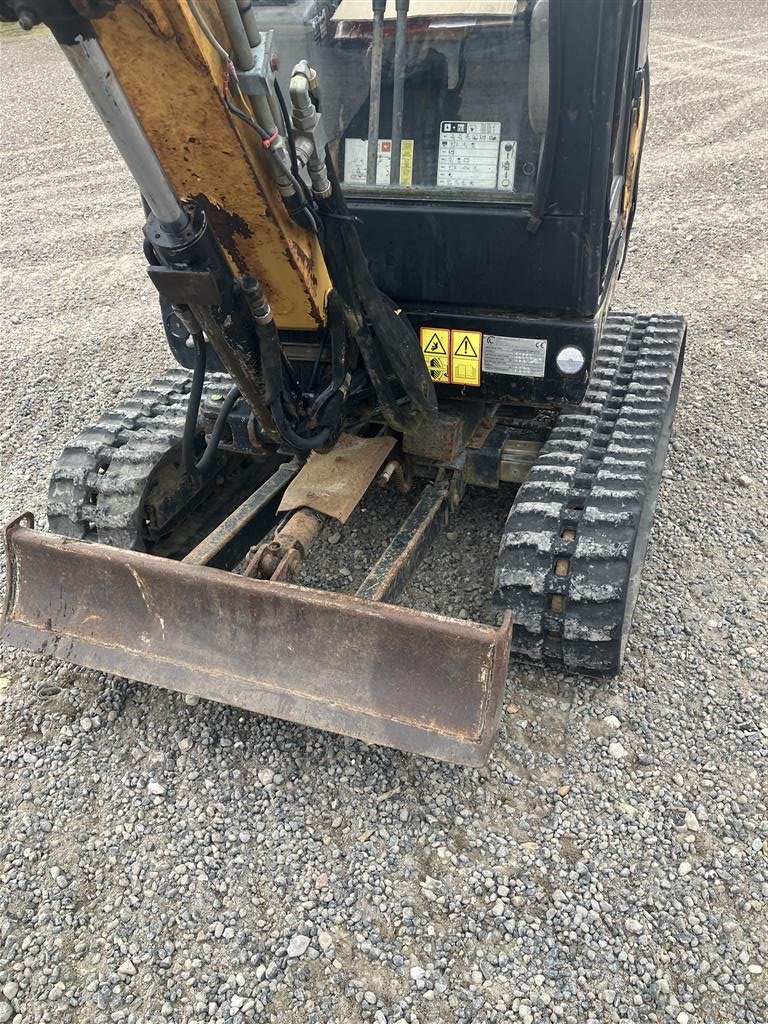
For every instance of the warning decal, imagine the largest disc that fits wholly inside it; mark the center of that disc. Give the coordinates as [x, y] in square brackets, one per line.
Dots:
[466, 347]
[356, 161]
[435, 344]
[452, 357]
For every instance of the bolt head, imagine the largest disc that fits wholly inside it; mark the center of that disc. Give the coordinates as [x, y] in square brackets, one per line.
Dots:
[27, 19]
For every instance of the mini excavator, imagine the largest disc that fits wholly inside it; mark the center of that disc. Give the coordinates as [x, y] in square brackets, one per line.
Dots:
[384, 236]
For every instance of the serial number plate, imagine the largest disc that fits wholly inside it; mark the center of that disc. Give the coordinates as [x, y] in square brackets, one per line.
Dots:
[517, 357]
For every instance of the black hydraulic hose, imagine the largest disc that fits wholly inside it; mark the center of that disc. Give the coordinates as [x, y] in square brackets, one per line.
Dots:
[298, 441]
[301, 206]
[338, 332]
[208, 458]
[398, 88]
[206, 462]
[273, 367]
[316, 364]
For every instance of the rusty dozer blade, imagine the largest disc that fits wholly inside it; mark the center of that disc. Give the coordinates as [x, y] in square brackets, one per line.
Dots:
[412, 680]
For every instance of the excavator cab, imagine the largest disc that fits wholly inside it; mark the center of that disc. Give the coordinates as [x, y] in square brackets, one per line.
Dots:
[384, 236]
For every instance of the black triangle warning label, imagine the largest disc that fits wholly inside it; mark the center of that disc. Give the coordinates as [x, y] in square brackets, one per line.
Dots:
[436, 344]
[466, 348]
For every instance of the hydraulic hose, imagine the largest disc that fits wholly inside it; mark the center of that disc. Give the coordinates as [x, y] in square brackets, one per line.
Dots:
[206, 462]
[272, 367]
[338, 332]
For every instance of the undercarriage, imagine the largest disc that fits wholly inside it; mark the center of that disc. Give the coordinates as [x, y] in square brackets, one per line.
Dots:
[565, 585]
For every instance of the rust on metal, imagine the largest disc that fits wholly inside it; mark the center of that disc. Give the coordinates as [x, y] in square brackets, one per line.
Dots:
[394, 568]
[227, 530]
[399, 473]
[411, 680]
[445, 436]
[483, 429]
[281, 557]
[173, 80]
[334, 483]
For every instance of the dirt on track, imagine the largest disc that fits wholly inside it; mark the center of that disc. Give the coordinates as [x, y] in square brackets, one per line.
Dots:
[157, 860]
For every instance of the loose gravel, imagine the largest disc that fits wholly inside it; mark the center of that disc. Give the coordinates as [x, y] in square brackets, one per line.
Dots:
[164, 859]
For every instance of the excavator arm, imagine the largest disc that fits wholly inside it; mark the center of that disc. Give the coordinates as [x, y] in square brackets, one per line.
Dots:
[247, 232]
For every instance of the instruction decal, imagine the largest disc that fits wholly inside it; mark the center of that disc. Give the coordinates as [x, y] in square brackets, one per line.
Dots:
[468, 156]
[466, 347]
[507, 161]
[436, 346]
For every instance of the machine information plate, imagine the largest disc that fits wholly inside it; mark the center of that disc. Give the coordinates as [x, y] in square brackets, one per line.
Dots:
[518, 357]
[356, 161]
[469, 154]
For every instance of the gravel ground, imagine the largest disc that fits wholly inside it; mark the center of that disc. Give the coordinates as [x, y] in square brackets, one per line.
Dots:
[166, 861]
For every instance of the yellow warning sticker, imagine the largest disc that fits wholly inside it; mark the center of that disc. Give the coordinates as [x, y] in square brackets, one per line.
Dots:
[436, 346]
[466, 347]
[406, 162]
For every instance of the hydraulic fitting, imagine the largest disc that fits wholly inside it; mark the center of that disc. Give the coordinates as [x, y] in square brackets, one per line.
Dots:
[309, 131]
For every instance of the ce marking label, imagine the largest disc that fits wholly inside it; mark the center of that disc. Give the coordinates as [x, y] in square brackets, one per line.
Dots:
[516, 357]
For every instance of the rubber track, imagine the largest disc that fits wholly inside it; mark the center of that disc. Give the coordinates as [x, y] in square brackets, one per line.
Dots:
[98, 484]
[573, 544]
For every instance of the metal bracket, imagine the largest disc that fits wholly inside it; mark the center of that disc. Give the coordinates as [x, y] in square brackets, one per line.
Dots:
[260, 80]
[185, 287]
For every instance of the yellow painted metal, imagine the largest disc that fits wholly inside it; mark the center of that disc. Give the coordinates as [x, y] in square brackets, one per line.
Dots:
[174, 81]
